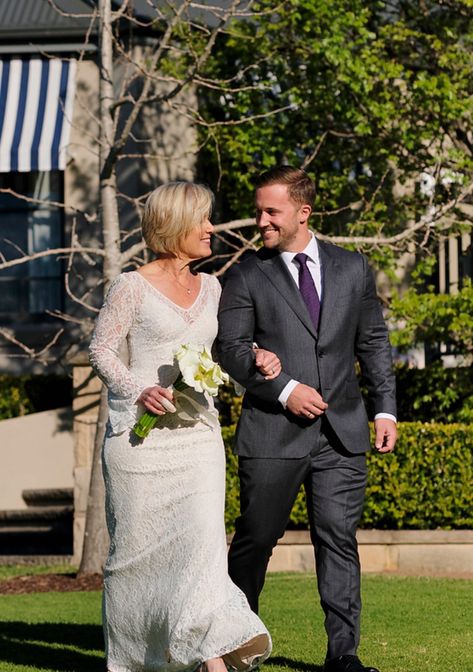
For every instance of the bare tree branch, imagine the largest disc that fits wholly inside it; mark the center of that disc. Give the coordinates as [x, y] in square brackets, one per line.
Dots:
[130, 122]
[40, 355]
[48, 253]
[312, 156]
[200, 121]
[427, 221]
[249, 245]
[49, 203]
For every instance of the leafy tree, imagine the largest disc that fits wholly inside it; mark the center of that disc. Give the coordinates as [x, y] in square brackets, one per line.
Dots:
[435, 318]
[379, 98]
[435, 394]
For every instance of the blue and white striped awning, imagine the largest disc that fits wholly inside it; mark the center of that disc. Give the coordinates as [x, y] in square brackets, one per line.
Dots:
[36, 98]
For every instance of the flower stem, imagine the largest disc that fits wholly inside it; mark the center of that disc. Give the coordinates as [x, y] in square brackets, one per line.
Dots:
[145, 424]
[148, 420]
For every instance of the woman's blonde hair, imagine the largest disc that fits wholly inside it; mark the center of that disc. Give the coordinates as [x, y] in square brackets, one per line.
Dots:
[172, 211]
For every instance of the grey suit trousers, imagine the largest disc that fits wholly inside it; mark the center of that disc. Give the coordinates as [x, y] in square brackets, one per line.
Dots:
[334, 481]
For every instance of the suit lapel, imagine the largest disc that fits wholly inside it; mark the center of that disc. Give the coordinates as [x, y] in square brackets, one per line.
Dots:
[331, 273]
[277, 273]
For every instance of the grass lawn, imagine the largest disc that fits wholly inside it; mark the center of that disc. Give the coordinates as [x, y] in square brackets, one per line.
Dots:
[9, 571]
[409, 625]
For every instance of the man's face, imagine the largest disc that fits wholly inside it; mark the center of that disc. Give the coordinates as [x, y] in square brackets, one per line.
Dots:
[281, 222]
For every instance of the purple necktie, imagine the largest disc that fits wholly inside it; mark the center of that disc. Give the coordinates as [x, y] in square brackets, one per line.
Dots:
[307, 289]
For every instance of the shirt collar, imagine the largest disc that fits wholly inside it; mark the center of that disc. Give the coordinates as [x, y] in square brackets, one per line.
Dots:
[312, 251]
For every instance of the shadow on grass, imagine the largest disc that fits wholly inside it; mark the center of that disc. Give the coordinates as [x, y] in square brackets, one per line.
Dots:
[34, 644]
[281, 661]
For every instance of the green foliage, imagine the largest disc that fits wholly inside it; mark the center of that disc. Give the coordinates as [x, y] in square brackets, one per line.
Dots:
[375, 95]
[13, 398]
[434, 318]
[435, 394]
[232, 492]
[20, 395]
[424, 484]
[229, 405]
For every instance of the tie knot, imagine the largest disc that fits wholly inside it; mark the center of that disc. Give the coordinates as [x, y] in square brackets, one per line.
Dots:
[301, 258]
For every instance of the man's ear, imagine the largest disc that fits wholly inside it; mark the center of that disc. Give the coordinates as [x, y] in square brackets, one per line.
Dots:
[304, 213]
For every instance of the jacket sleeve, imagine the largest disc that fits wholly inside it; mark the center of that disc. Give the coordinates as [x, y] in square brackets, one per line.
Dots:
[236, 335]
[373, 349]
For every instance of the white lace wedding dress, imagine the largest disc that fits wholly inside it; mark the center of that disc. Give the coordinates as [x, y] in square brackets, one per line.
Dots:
[168, 601]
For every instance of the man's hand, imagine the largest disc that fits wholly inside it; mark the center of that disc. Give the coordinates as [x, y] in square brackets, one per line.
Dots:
[268, 363]
[305, 402]
[386, 434]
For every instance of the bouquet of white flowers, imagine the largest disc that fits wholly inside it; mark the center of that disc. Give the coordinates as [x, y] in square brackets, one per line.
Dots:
[198, 371]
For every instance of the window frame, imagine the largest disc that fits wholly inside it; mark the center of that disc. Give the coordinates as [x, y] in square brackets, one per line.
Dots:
[24, 315]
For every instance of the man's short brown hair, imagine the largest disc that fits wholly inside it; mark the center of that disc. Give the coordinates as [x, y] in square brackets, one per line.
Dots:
[300, 186]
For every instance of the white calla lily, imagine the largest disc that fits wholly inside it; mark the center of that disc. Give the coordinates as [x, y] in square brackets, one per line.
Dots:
[198, 371]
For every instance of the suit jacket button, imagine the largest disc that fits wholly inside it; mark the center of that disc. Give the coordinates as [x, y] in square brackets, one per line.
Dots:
[321, 353]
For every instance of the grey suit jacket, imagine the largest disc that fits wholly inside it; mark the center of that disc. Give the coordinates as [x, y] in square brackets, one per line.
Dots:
[261, 303]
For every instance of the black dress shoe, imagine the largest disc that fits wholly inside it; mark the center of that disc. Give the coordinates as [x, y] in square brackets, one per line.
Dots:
[347, 664]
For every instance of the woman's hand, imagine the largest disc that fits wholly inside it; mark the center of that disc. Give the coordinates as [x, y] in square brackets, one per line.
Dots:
[268, 363]
[157, 399]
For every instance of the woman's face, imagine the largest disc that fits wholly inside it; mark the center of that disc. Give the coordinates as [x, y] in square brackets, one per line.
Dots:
[196, 244]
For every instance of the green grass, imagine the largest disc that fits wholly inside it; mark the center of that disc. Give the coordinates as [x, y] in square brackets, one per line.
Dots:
[9, 571]
[409, 625]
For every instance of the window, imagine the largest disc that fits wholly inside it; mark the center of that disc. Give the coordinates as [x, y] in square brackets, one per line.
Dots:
[34, 287]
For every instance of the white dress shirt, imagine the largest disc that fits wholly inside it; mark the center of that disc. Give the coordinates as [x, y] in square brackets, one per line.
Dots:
[313, 264]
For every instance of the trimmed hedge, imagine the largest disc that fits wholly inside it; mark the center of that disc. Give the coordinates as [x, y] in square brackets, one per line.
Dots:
[425, 484]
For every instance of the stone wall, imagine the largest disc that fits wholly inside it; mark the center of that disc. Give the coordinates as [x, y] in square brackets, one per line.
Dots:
[413, 552]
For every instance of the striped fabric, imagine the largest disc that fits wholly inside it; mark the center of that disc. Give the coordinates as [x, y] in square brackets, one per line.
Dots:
[36, 98]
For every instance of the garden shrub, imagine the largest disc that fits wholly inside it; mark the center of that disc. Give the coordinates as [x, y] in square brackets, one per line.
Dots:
[13, 398]
[424, 484]
[435, 393]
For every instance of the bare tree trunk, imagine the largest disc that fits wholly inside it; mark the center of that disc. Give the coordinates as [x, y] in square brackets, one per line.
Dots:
[108, 178]
[96, 537]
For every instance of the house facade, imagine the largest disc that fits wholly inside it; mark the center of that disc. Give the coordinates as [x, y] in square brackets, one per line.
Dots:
[49, 176]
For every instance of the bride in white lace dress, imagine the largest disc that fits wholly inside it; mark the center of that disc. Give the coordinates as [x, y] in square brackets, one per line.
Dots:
[169, 604]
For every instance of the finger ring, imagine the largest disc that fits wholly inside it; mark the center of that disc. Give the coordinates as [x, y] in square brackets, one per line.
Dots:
[272, 370]
[310, 415]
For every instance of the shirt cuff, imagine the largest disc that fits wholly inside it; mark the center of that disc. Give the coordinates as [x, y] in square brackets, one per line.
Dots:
[388, 416]
[286, 391]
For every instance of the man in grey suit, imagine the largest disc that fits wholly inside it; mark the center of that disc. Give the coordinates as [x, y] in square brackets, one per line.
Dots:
[315, 306]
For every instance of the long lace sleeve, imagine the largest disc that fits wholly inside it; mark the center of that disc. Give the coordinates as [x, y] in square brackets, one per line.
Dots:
[111, 329]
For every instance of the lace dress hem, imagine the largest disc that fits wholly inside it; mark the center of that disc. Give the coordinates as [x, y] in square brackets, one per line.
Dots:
[231, 648]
